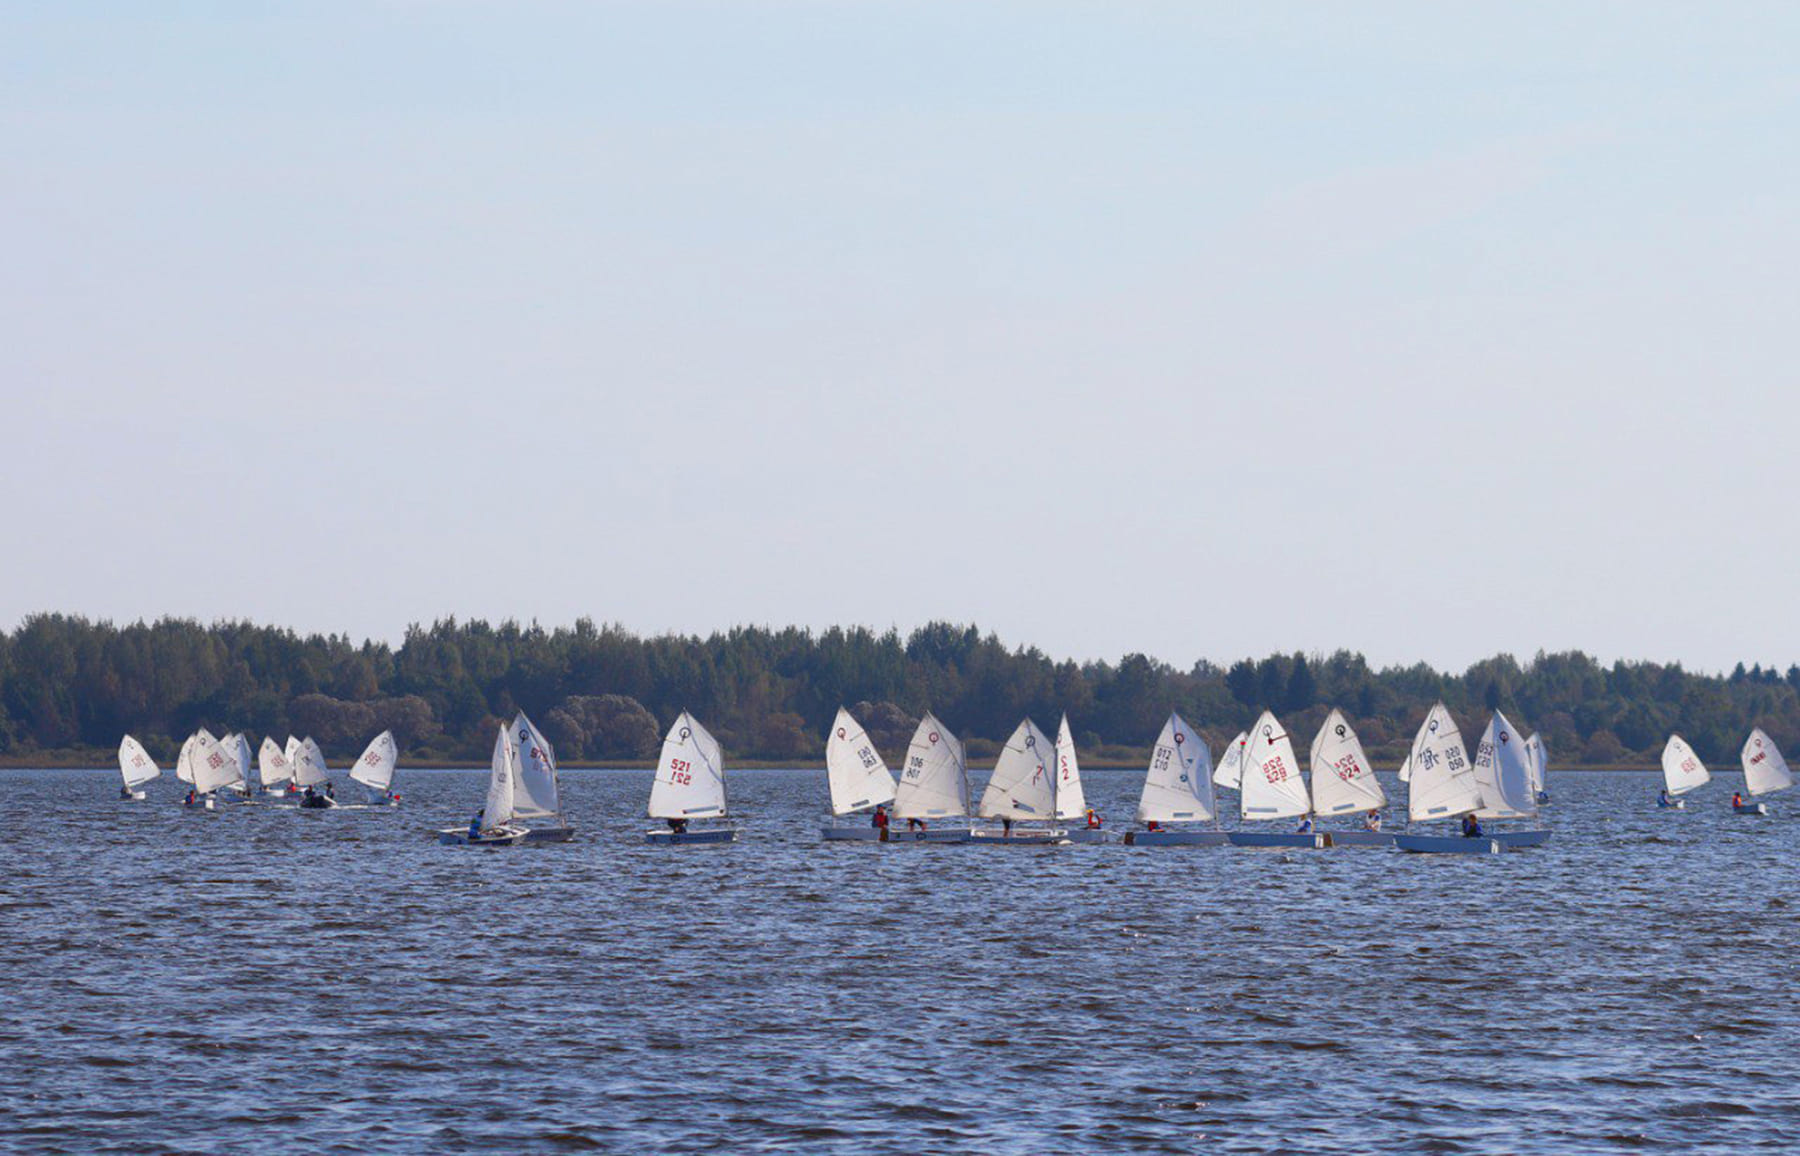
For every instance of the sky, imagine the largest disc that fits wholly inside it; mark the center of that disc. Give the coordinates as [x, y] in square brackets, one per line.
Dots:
[1198, 330]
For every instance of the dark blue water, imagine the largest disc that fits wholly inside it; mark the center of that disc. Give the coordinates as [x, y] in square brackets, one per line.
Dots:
[275, 980]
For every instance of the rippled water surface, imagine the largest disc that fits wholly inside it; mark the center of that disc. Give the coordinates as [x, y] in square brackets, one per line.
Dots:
[273, 980]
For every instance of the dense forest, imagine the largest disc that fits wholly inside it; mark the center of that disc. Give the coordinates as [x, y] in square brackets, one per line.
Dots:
[69, 687]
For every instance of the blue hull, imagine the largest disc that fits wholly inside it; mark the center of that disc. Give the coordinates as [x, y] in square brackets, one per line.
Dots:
[1087, 835]
[861, 834]
[1517, 839]
[935, 835]
[1447, 845]
[1277, 839]
[1176, 838]
[1751, 809]
[722, 835]
[1360, 838]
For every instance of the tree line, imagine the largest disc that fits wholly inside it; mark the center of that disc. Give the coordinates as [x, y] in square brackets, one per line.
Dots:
[70, 687]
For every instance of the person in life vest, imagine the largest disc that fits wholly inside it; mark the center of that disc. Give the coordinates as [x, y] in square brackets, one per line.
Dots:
[1305, 825]
[1372, 820]
[191, 797]
[124, 792]
[1737, 799]
[475, 825]
[1093, 819]
[1471, 826]
[678, 826]
[879, 820]
[1664, 797]
[913, 824]
[1152, 825]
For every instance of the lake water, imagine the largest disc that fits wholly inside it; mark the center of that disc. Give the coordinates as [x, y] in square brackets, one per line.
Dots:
[274, 980]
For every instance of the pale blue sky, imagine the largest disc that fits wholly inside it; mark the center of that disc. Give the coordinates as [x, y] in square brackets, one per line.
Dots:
[1426, 330]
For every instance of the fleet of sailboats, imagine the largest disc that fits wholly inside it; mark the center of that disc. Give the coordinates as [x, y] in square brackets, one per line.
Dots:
[690, 787]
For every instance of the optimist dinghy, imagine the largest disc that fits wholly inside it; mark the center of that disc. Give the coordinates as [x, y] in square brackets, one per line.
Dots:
[1441, 785]
[690, 785]
[932, 796]
[1178, 788]
[1273, 789]
[313, 777]
[274, 769]
[375, 772]
[1071, 800]
[858, 778]
[1344, 784]
[1765, 771]
[1021, 789]
[1538, 759]
[1682, 772]
[136, 767]
[208, 768]
[494, 825]
[1503, 768]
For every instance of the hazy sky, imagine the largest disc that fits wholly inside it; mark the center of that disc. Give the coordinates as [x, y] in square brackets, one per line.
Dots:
[1203, 330]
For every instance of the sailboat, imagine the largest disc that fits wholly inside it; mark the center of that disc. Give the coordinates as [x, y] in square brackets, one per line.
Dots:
[1765, 771]
[537, 791]
[494, 826]
[1538, 759]
[375, 771]
[1178, 788]
[1273, 789]
[1343, 783]
[1071, 800]
[136, 767]
[1441, 786]
[1503, 769]
[209, 768]
[310, 773]
[690, 784]
[273, 768]
[237, 749]
[857, 777]
[1682, 772]
[1022, 788]
[1230, 772]
[933, 787]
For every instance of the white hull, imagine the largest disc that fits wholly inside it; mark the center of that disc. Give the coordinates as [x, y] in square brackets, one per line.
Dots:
[717, 835]
[1358, 838]
[1176, 838]
[1299, 839]
[858, 834]
[1447, 845]
[899, 834]
[134, 797]
[1087, 835]
[503, 837]
[549, 834]
[1751, 809]
[1520, 838]
[1671, 805]
[1021, 836]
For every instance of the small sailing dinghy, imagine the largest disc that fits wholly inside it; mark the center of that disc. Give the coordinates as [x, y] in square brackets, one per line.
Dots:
[1682, 772]
[493, 825]
[273, 768]
[1021, 789]
[858, 778]
[690, 785]
[1503, 769]
[933, 788]
[375, 772]
[209, 769]
[313, 777]
[537, 791]
[136, 767]
[1765, 771]
[1538, 759]
[1344, 784]
[1272, 789]
[1178, 788]
[1230, 772]
[1441, 785]
[1071, 800]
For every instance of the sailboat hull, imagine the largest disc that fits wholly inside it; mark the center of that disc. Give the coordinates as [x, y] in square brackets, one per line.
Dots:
[860, 834]
[1543, 798]
[1278, 839]
[1751, 809]
[549, 834]
[1516, 839]
[1354, 838]
[933, 835]
[1671, 805]
[1447, 845]
[1176, 838]
[718, 835]
[503, 837]
[1035, 836]
[1087, 835]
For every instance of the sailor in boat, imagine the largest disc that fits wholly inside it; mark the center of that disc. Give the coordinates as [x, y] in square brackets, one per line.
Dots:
[1006, 826]
[1372, 821]
[1305, 827]
[329, 792]
[475, 825]
[124, 792]
[1663, 798]
[1152, 825]
[192, 798]
[1737, 798]
[1093, 819]
[312, 798]
[678, 825]
[879, 820]
[913, 824]
[1471, 827]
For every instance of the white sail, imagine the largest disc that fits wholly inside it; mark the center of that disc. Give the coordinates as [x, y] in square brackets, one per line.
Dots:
[1682, 768]
[690, 778]
[292, 750]
[1272, 786]
[135, 763]
[1342, 780]
[853, 768]
[1071, 800]
[934, 783]
[1764, 768]
[498, 810]
[1503, 769]
[1406, 768]
[1538, 760]
[375, 770]
[535, 794]
[184, 767]
[1022, 785]
[1231, 763]
[309, 764]
[212, 767]
[1443, 784]
[238, 747]
[1178, 786]
[272, 765]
